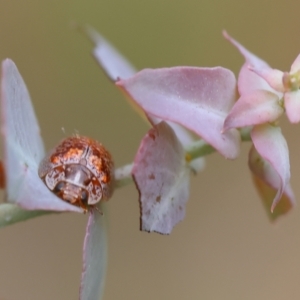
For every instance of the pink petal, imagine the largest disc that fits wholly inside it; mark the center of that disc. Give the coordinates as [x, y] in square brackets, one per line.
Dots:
[292, 105]
[249, 81]
[272, 147]
[23, 146]
[94, 257]
[196, 98]
[112, 62]
[258, 107]
[162, 178]
[296, 65]
[116, 66]
[265, 180]
[272, 76]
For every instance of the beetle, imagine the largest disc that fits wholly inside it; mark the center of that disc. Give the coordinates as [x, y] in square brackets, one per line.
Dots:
[80, 171]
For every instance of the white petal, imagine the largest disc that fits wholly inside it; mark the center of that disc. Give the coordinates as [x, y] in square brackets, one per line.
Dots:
[114, 64]
[23, 147]
[94, 257]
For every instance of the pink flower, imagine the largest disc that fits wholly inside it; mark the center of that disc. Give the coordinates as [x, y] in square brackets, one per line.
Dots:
[286, 83]
[176, 101]
[265, 94]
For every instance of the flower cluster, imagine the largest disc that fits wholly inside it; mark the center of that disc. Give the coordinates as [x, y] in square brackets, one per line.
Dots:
[204, 101]
[265, 94]
[192, 111]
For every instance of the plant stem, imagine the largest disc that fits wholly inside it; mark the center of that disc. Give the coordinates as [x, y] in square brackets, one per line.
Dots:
[12, 213]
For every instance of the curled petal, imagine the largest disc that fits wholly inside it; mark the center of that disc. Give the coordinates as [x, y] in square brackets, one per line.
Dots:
[265, 180]
[196, 98]
[249, 81]
[296, 65]
[264, 176]
[162, 178]
[258, 107]
[94, 257]
[272, 147]
[23, 147]
[112, 62]
[272, 76]
[292, 105]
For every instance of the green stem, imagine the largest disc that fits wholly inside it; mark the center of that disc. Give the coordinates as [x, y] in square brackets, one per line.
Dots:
[245, 134]
[198, 149]
[12, 213]
[123, 176]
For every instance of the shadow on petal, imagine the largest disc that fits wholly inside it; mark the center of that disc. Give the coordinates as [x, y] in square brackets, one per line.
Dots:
[268, 193]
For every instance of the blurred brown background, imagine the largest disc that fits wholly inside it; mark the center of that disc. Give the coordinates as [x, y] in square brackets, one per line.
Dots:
[225, 248]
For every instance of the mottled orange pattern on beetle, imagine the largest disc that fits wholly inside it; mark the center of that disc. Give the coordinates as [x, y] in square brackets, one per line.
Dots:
[79, 170]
